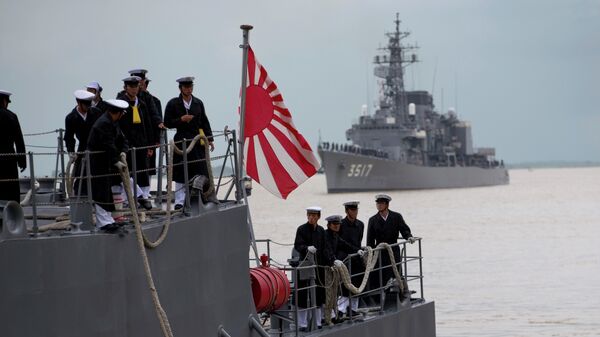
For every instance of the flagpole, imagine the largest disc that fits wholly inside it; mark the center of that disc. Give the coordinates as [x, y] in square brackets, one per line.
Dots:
[246, 32]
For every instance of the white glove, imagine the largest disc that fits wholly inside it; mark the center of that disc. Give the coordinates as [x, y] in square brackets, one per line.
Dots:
[72, 156]
[360, 252]
[312, 249]
[411, 240]
[338, 263]
[120, 165]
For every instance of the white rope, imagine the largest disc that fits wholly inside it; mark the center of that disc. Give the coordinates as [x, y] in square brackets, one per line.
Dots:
[141, 240]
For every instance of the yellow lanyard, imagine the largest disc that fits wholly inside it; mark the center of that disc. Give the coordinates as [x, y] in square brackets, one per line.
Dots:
[136, 115]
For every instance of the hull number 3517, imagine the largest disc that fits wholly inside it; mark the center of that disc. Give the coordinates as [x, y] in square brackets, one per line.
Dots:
[360, 170]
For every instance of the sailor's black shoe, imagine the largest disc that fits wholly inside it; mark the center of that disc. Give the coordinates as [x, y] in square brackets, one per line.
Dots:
[110, 228]
[145, 203]
[178, 207]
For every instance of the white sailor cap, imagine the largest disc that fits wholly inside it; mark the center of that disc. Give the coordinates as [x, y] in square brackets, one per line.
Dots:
[383, 197]
[83, 95]
[94, 85]
[313, 209]
[185, 80]
[132, 79]
[138, 72]
[117, 104]
[334, 219]
[351, 204]
[6, 94]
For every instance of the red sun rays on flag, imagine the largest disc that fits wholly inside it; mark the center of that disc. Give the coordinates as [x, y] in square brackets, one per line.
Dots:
[277, 155]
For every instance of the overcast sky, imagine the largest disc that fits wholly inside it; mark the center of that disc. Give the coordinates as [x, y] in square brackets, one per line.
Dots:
[524, 73]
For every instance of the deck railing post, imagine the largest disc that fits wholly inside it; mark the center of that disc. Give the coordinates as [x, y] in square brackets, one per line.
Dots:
[33, 201]
[61, 151]
[159, 169]
[421, 269]
[186, 174]
[381, 291]
[134, 171]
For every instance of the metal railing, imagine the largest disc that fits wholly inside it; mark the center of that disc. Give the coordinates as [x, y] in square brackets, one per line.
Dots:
[58, 193]
[410, 267]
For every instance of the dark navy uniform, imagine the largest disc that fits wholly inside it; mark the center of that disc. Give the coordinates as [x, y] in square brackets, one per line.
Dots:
[351, 235]
[307, 235]
[105, 136]
[12, 138]
[77, 127]
[380, 230]
[174, 110]
[139, 134]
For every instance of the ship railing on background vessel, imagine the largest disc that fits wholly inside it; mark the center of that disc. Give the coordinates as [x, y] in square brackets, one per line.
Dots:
[410, 266]
[57, 190]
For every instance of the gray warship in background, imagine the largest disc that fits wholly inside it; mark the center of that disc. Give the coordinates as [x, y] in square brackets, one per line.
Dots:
[406, 144]
[192, 274]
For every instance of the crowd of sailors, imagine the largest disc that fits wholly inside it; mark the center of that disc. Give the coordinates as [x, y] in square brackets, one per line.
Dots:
[343, 237]
[108, 128]
[352, 149]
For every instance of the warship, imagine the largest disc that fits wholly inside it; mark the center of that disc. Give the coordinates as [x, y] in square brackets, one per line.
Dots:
[406, 143]
[188, 272]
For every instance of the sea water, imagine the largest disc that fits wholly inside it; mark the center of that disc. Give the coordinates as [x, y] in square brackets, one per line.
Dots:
[516, 260]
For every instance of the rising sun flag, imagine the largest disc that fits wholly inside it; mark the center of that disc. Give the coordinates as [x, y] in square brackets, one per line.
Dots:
[277, 156]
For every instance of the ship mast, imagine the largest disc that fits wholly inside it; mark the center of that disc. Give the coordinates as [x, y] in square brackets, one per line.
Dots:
[390, 67]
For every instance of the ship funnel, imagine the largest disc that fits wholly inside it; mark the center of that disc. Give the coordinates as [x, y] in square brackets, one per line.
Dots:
[13, 221]
[412, 109]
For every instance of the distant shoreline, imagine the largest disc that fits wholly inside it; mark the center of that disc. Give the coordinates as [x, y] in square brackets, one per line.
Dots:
[553, 164]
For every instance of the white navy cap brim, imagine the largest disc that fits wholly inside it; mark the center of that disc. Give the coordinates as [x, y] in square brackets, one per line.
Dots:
[186, 79]
[313, 209]
[94, 85]
[383, 197]
[117, 103]
[132, 79]
[83, 95]
[5, 93]
[353, 203]
[334, 219]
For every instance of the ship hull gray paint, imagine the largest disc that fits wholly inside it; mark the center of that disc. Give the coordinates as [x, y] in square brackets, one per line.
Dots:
[377, 174]
[94, 284]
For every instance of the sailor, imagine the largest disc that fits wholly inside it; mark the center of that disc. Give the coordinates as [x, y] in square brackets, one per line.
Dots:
[107, 141]
[138, 129]
[385, 227]
[78, 124]
[310, 240]
[334, 252]
[155, 109]
[10, 142]
[351, 235]
[98, 103]
[186, 113]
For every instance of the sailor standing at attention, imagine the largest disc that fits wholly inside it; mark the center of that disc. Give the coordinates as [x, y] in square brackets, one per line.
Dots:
[351, 235]
[186, 113]
[139, 131]
[155, 111]
[12, 138]
[78, 124]
[310, 239]
[107, 142]
[385, 227]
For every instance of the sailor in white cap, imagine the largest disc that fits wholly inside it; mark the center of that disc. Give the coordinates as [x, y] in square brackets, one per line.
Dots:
[310, 239]
[78, 124]
[10, 142]
[96, 89]
[351, 235]
[107, 142]
[138, 128]
[385, 226]
[186, 113]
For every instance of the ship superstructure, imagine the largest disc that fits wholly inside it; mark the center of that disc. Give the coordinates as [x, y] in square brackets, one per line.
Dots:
[407, 130]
